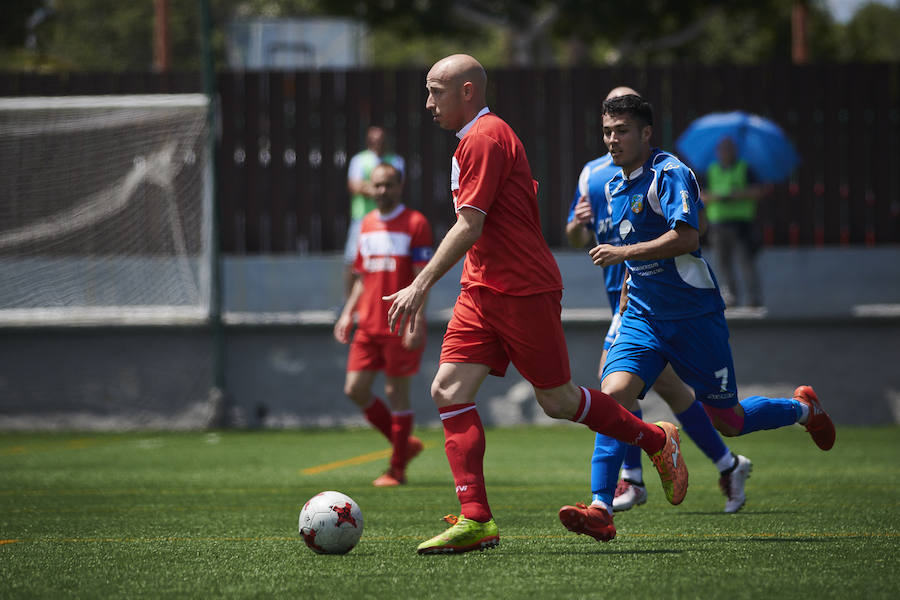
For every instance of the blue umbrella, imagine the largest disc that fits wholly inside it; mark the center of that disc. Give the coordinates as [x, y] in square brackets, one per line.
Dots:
[760, 142]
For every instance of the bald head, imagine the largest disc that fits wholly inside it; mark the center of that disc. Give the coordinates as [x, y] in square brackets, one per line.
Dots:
[456, 90]
[622, 90]
[460, 69]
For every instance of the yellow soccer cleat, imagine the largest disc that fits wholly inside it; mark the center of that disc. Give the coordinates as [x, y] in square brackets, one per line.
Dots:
[464, 535]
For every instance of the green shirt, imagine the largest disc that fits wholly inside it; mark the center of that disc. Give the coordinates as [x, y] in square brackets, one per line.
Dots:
[722, 182]
[361, 167]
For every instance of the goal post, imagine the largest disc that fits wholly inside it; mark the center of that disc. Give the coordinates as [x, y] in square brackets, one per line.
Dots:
[106, 210]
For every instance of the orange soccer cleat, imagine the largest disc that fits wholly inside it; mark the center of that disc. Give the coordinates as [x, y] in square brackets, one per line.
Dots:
[670, 465]
[592, 520]
[818, 424]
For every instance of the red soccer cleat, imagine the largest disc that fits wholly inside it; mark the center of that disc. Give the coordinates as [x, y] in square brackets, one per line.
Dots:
[589, 520]
[818, 424]
[392, 477]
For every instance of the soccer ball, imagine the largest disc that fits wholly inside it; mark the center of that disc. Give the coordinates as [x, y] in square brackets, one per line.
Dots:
[331, 523]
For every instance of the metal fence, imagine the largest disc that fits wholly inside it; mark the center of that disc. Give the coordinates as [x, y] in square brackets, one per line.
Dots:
[285, 140]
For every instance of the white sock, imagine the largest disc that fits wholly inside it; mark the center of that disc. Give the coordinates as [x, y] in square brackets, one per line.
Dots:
[804, 413]
[602, 505]
[727, 461]
[633, 474]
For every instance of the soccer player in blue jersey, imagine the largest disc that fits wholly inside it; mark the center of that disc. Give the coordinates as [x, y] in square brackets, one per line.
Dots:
[590, 211]
[675, 313]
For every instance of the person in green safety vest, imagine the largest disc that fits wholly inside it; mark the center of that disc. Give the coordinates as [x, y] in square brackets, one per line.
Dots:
[731, 196]
[362, 192]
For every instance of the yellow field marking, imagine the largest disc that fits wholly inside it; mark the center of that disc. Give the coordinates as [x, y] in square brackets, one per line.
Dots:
[8, 542]
[356, 460]
[82, 443]
[74, 444]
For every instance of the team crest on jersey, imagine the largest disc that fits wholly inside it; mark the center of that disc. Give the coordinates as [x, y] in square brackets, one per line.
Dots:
[637, 203]
[685, 206]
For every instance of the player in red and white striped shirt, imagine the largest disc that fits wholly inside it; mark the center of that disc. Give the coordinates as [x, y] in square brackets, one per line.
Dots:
[395, 243]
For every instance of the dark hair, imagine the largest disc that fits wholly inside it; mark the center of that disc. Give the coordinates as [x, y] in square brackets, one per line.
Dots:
[633, 105]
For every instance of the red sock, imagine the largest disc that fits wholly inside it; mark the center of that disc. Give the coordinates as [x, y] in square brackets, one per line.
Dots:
[464, 445]
[401, 427]
[379, 416]
[601, 413]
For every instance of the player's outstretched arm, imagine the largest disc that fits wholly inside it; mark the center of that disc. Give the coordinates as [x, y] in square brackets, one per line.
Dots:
[406, 303]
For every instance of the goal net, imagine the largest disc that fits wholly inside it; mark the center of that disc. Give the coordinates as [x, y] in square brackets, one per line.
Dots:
[105, 210]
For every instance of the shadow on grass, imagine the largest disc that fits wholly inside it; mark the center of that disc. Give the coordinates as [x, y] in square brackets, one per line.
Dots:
[805, 539]
[724, 515]
[592, 550]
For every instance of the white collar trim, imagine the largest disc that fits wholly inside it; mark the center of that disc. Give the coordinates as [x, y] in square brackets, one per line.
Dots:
[397, 210]
[468, 125]
[634, 174]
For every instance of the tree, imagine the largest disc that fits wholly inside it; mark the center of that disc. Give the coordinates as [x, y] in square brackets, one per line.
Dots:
[116, 35]
[871, 35]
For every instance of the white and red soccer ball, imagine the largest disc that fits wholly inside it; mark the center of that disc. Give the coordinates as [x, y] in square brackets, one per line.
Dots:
[331, 523]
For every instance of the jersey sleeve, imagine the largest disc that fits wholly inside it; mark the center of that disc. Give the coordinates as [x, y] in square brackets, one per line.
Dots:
[422, 242]
[700, 186]
[679, 195]
[482, 166]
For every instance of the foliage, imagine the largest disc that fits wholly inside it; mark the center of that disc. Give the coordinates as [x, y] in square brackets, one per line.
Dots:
[872, 34]
[114, 35]
[386, 49]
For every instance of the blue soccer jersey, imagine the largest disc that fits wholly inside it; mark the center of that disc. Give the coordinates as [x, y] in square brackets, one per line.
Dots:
[592, 183]
[644, 206]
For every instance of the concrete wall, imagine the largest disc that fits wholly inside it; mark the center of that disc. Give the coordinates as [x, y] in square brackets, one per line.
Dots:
[294, 377]
[796, 283]
[284, 369]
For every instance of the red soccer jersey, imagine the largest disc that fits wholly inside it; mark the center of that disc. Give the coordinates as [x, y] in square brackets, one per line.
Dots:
[389, 246]
[490, 173]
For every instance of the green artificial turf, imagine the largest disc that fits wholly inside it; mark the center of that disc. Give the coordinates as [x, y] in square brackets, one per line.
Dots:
[215, 515]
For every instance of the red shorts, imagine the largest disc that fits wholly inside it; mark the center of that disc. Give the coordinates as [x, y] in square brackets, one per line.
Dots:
[493, 329]
[383, 353]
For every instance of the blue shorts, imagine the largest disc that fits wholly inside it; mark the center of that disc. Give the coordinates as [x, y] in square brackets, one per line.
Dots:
[697, 348]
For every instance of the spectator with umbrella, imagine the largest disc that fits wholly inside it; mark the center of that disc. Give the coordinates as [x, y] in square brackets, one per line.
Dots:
[730, 194]
[736, 153]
